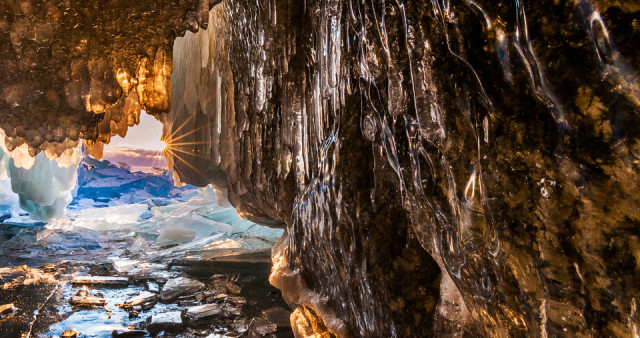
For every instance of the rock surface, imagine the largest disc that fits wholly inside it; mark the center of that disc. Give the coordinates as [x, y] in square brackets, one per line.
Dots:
[70, 333]
[6, 309]
[89, 70]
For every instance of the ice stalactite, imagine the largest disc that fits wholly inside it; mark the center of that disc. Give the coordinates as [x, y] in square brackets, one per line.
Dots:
[72, 71]
[197, 131]
[42, 186]
[8, 199]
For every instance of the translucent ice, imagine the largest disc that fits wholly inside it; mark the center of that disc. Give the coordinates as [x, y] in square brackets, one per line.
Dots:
[109, 218]
[199, 225]
[43, 186]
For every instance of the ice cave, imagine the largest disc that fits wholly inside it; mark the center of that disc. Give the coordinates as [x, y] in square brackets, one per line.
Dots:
[319, 168]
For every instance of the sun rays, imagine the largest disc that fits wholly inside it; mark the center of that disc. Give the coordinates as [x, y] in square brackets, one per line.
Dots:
[182, 151]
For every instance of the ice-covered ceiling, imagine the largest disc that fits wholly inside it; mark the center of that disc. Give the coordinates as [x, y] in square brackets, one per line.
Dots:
[441, 167]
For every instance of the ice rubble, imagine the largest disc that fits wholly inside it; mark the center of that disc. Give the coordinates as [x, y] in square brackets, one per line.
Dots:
[197, 223]
[187, 215]
[103, 184]
[112, 198]
[169, 219]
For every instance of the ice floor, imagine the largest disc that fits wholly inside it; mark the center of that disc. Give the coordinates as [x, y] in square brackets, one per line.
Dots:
[214, 265]
[136, 256]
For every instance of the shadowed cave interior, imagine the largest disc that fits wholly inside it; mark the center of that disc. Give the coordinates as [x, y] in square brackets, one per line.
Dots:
[321, 168]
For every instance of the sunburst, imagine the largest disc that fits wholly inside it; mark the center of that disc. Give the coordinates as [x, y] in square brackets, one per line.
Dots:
[173, 149]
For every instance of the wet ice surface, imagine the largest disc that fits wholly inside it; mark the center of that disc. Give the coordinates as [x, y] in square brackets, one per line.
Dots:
[170, 262]
[81, 281]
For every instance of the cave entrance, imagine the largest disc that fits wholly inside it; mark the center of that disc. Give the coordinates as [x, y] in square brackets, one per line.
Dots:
[141, 149]
[117, 246]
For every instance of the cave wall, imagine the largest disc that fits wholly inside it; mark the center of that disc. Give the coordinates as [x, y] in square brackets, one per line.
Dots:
[441, 168]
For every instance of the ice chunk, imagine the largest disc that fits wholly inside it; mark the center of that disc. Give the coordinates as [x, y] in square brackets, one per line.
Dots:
[189, 300]
[83, 299]
[244, 227]
[58, 240]
[128, 333]
[237, 300]
[145, 300]
[176, 235]
[123, 264]
[153, 287]
[279, 315]
[262, 326]
[230, 310]
[203, 311]
[165, 321]
[70, 333]
[101, 280]
[192, 227]
[88, 301]
[224, 286]
[109, 218]
[194, 244]
[241, 325]
[179, 286]
[139, 244]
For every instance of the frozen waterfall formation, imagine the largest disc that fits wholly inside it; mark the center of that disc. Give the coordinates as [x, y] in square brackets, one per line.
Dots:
[440, 167]
[42, 186]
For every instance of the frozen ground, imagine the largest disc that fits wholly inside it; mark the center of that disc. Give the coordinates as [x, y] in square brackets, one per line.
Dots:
[159, 239]
[227, 296]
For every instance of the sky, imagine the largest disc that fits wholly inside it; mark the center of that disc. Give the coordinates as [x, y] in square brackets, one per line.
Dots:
[141, 148]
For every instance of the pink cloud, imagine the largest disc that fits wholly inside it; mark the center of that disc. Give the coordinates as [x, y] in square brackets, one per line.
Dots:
[139, 159]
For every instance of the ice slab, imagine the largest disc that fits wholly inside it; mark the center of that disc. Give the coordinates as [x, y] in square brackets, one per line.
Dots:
[203, 311]
[145, 300]
[190, 225]
[87, 301]
[101, 280]
[165, 321]
[262, 326]
[179, 286]
[153, 287]
[128, 333]
[109, 218]
[123, 265]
